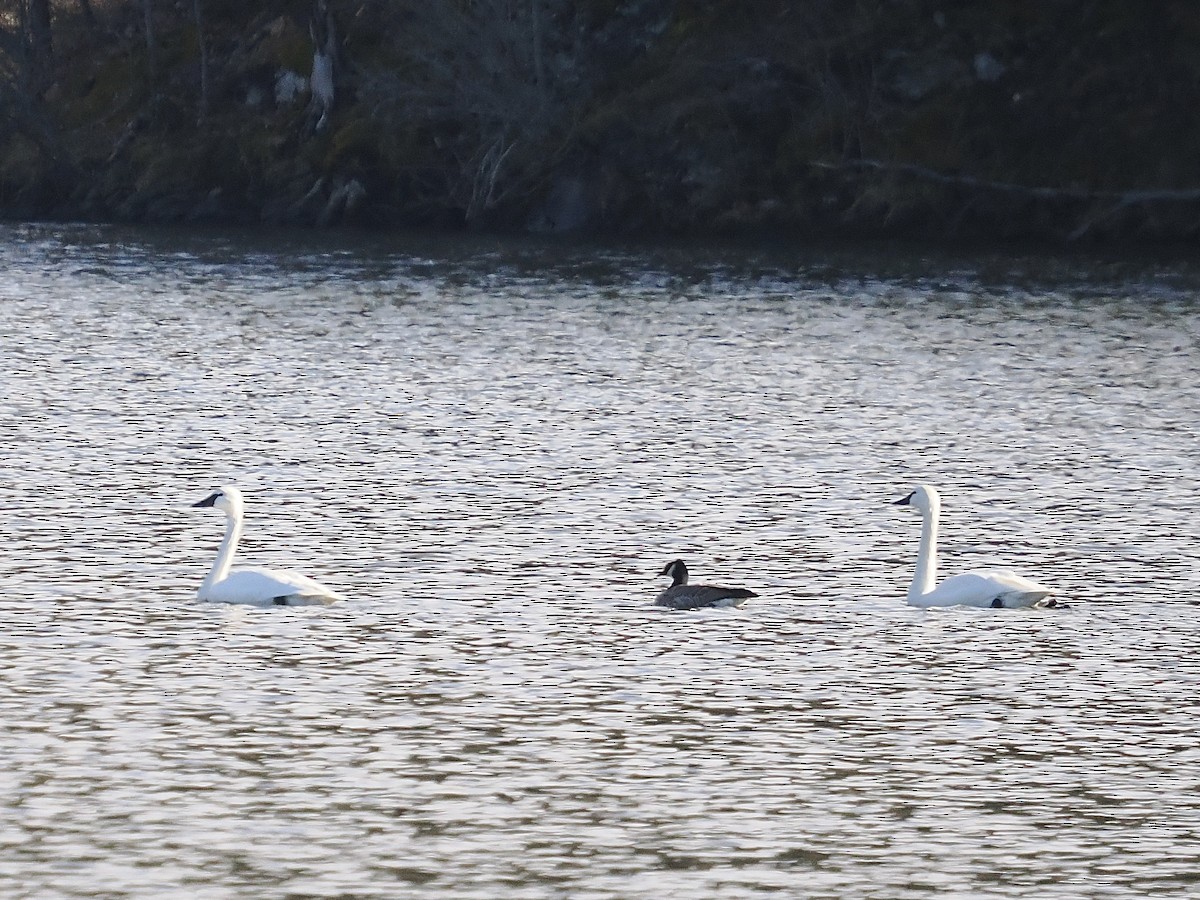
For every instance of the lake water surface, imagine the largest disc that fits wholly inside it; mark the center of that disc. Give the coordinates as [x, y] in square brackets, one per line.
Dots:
[493, 448]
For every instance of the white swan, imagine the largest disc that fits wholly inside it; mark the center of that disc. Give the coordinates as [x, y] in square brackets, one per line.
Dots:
[257, 586]
[991, 588]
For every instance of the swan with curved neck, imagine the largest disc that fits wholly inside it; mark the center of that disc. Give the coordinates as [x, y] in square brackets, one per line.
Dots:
[253, 585]
[989, 588]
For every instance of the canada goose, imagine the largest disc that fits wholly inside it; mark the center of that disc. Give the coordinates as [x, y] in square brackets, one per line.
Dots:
[681, 595]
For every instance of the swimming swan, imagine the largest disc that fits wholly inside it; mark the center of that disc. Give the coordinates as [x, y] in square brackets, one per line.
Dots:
[681, 595]
[257, 586]
[990, 588]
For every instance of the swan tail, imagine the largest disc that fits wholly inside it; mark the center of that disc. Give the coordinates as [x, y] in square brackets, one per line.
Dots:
[323, 599]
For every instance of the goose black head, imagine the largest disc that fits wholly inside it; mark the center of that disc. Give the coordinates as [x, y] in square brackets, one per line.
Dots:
[678, 572]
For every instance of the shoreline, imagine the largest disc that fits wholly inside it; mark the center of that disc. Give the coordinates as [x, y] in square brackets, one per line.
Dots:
[627, 119]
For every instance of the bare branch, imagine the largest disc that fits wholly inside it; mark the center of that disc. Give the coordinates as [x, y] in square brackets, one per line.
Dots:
[1122, 198]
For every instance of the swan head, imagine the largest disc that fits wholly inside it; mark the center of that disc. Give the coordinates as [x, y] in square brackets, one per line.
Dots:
[228, 499]
[677, 570]
[924, 497]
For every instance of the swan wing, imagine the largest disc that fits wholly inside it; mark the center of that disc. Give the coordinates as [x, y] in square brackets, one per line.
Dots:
[262, 586]
[694, 596]
[989, 588]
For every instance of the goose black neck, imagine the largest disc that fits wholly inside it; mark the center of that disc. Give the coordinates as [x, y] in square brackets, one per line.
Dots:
[679, 575]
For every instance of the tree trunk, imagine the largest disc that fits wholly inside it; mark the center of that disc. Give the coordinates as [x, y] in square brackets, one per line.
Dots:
[40, 35]
[198, 12]
[89, 15]
[151, 44]
[539, 68]
[41, 43]
[324, 38]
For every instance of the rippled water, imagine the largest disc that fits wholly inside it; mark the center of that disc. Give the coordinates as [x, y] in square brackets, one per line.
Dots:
[493, 449]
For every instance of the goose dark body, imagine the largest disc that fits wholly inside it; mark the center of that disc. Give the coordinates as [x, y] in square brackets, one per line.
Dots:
[681, 595]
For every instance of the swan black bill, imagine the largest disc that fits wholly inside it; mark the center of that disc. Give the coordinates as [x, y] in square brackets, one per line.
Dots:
[210, 500]
[906, 501]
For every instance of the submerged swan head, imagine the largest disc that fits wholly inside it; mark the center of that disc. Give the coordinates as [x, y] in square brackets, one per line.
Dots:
[228, 499]
[924, 498]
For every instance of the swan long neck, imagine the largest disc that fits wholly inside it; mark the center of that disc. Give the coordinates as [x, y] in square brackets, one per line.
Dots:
[925, 578]
[224, 561]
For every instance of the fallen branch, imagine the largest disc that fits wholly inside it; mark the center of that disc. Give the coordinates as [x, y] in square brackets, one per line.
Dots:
[1114, 201]
[1121, 198]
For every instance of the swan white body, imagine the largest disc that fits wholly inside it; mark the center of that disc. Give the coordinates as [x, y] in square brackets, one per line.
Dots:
[985, 587]
[254, 585]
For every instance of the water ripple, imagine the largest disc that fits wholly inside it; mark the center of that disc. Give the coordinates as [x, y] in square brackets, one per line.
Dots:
[492, 450]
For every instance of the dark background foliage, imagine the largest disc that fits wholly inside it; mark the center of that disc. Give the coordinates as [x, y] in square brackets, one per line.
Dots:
[1060, 119]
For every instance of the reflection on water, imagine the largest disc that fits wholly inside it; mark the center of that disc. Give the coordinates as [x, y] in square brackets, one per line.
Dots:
[493, 449]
